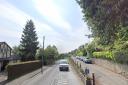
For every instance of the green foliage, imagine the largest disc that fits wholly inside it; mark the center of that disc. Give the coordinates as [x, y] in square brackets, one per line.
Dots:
[104, 54]
[39, 53]
[49, 54]
[118, 52]
[79, 53]
[73, 52]
[107, 20]
[16, 50]
[29, 43]
[123, 33]
[104, 18]
[121, 51]
[63, 56]
[51, 51]
[84, 52]
[90, 49]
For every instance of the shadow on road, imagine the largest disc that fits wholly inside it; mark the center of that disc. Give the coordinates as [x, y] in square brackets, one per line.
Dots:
[3, 82]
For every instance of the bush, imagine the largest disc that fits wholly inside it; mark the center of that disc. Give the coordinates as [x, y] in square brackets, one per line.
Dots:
[121, 52]
[18, 69]
[120, 56]
[104, 55]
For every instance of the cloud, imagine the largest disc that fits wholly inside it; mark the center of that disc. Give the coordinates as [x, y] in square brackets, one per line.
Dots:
[9, 33]
[69, 39]
[11, 13]
[51, 12]
[19, 17]
[75, 38]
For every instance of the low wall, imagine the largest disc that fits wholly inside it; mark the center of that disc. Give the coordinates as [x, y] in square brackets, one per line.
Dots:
[113, 66]
[19, 69]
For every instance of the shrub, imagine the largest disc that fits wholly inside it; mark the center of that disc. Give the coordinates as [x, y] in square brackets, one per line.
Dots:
[119, 56]
[18, 69]
[104, 55]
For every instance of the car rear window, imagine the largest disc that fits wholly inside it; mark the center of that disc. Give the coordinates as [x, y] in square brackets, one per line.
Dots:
[63, 62]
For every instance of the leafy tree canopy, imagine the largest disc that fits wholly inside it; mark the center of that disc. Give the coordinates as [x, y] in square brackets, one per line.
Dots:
[105, 17]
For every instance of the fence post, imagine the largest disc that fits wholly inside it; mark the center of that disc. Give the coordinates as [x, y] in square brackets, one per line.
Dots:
[93, 78]
[80, 65]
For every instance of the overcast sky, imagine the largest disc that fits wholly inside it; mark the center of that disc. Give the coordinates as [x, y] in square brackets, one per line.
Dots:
[60, 21]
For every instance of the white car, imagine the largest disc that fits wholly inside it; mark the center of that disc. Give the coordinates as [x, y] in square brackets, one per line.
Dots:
[63, 65]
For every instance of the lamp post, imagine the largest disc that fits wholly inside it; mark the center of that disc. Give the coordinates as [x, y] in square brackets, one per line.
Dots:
[43, 54]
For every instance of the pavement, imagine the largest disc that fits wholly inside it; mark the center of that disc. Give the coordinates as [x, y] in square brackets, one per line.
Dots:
[23, 78]
[3, 77]
[52, 76]
[104, 76]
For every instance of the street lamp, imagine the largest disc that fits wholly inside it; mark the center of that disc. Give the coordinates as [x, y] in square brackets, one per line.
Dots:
[42, 55]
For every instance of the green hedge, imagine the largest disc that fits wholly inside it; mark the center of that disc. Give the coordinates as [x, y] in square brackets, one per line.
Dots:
[18, 69]
[104, 55]
[120, 56]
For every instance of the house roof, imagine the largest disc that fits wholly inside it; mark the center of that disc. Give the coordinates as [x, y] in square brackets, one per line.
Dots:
[6, 44]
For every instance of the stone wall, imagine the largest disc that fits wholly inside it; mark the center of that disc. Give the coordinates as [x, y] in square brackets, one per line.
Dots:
[113, 66]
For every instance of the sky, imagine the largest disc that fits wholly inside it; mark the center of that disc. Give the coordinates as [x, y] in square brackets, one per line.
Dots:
[60, 21]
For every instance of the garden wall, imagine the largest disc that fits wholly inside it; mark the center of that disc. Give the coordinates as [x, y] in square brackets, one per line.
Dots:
[113, 66]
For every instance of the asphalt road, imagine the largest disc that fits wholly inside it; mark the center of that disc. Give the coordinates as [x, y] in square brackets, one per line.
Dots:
[53, 76]
[104, 76]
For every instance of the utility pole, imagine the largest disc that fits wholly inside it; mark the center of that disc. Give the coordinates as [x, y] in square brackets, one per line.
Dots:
[43, 54]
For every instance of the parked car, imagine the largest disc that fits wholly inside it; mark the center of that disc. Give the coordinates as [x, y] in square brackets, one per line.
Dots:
[88, 60]
[63, 65]
[85, 59]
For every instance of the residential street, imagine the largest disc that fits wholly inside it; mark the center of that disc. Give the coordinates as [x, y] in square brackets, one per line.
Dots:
[53, 76]
[105, 76]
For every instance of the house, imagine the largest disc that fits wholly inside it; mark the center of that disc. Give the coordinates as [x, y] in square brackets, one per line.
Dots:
[6, 55]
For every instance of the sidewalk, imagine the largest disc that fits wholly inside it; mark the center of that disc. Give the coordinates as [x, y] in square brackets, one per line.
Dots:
[105, 76]
[19, 80]
[3, 77]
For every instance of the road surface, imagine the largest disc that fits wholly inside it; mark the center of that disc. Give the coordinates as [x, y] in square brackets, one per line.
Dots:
[104, 76]
[53, 76]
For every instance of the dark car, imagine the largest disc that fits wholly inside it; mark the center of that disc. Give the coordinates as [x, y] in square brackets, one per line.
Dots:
[88, 60]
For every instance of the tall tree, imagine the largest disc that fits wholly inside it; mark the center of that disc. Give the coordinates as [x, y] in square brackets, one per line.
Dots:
[29, 43]
[49, 54]
[104, 17]
[51, 51]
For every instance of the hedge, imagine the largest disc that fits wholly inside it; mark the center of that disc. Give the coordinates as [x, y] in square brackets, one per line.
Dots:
[18, 69]
[120, 56]
[104, 55]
